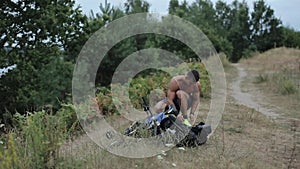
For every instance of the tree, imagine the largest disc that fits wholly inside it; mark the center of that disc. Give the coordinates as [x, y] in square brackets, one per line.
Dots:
[107, 13]
[38, 36]
[136, 6]
[180, 10]
[239, 32]
[173, 7]
[27, 23]
[291, 37]
[267, 30]
[223, 18]
[202, 13]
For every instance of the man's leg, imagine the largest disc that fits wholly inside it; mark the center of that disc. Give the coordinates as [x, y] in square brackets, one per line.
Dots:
[192, 116]
[183, 99]
[160, 106]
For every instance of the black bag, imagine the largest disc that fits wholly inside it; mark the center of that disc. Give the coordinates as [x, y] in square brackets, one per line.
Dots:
[196, 136]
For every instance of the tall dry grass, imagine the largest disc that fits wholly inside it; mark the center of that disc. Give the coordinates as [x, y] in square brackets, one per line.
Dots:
[244, 139]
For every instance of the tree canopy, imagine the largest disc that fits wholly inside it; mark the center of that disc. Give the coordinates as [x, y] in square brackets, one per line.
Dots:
[44, 37]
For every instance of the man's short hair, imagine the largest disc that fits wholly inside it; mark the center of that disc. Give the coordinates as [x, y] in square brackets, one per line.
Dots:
[194, 74]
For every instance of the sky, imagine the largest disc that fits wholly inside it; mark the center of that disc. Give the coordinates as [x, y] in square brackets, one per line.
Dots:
[5, 70]
[287, 10]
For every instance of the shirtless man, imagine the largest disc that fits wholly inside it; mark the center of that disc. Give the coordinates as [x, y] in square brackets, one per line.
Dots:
[184, 93]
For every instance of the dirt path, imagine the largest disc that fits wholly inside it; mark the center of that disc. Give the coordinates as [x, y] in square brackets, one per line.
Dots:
[244, 91]
[249, 99]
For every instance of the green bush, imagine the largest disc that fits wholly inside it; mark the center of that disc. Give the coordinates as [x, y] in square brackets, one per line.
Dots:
[9, 153]
[104, 101]
[142, 85]
[69, 118]
[34, 143]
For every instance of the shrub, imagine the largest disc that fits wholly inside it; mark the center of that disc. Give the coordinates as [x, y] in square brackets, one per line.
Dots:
[104, 101]
[284, 84]
[261, 78]
[288, 87]
[36, 140]
[8, 154]
[142, 85]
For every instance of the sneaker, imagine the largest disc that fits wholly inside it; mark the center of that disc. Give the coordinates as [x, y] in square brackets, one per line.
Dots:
[186, 122]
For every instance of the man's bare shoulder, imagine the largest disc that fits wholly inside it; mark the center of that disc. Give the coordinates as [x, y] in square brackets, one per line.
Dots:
[178, 78]
[175, 81]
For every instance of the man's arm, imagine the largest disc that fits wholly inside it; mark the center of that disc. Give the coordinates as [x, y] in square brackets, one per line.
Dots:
[196, 98]
[196, 101]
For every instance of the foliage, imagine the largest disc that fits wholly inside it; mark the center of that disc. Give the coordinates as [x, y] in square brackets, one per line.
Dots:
[142, 84]
[43, 39]
[224, 60]
[28, 23]
[266, 28]
[38, 37]
[239, 33]
[261, 78]
[9, 158]
[42, 81]
[284, 84]
[288, 87]
[136, 6]
[35, 142]
[292, 38]
[104, 101]
[232, 28]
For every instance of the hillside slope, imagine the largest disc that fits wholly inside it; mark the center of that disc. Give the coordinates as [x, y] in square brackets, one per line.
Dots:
[247, 136]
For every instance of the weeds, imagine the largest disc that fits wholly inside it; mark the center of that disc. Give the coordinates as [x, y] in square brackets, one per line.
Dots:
[233, 145]
[35, 144]
[225, 61]
[245, 139]
[283, 82]
[261, 78]
[8, 154]
[287, 87]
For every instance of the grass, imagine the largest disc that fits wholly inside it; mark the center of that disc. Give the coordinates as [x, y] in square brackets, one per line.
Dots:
[276, 73]
[244, 139]
[280, 81]
[224, 60]
[261, 78]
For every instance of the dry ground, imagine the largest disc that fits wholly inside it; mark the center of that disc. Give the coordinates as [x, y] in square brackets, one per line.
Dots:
[245, 138]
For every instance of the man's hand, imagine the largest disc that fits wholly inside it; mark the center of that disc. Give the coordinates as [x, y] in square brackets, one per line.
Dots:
[180, 117]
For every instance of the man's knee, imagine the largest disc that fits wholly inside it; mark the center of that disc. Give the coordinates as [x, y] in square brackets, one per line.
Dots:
[181, 94]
